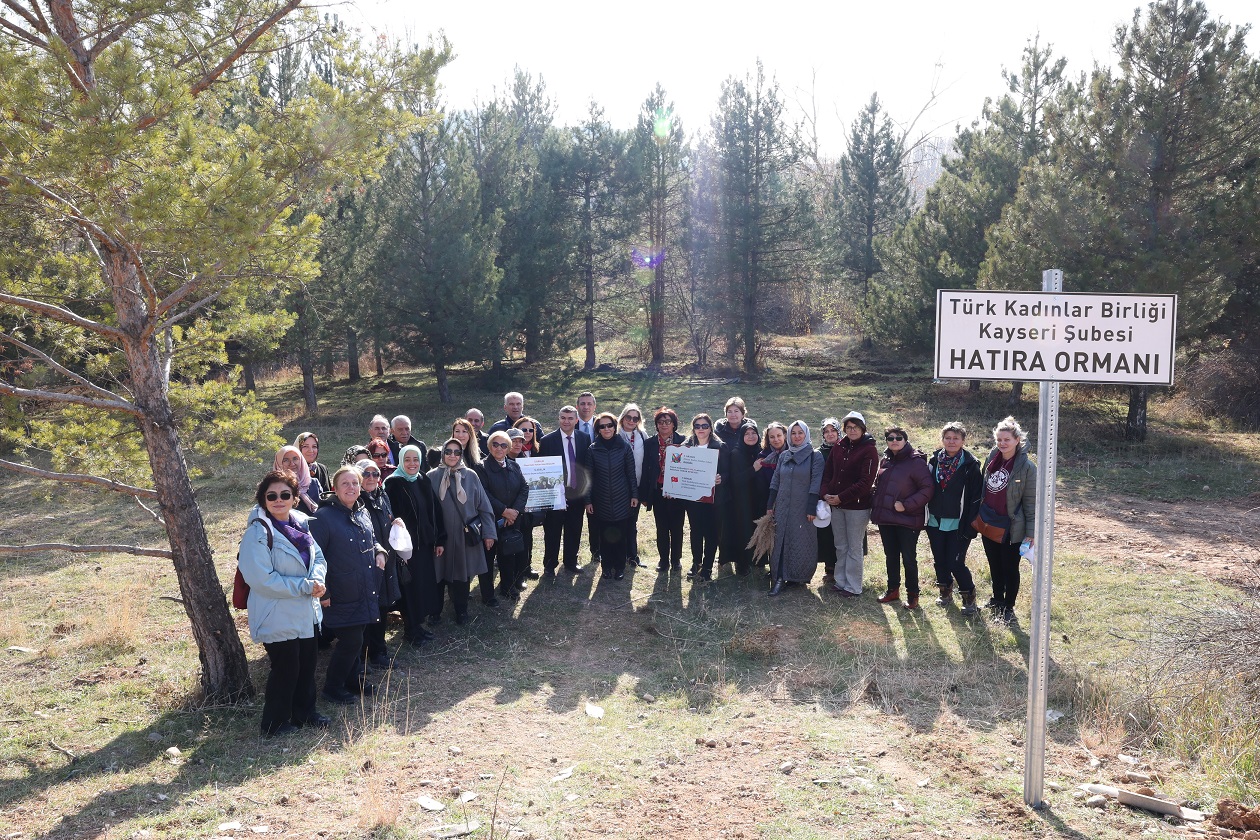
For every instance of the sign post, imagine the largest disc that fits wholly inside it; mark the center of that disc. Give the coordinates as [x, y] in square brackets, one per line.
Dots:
[1052, 337]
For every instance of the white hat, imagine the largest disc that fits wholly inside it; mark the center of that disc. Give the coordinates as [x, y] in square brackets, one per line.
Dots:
[822, 515]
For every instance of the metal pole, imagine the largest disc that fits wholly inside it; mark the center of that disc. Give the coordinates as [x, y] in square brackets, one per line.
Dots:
[1043, 537]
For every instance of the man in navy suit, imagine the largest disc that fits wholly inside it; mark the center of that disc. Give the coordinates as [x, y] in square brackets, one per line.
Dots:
[568, 443]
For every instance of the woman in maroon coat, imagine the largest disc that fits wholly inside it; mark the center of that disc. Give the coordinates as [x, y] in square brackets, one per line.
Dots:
[847, 479]
[903, 488]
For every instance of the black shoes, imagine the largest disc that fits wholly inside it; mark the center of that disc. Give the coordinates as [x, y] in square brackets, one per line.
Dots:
[339, 696]
[777, 588]
[380, 662]
[281, 730]
[315, 721]
[491, 601]
[662, 566]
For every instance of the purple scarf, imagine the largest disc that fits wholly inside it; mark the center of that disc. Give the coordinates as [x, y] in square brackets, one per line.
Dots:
[301, 540]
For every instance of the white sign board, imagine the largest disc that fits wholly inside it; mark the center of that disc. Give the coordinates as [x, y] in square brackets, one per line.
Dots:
[1055, 336]
[545, 478]
[690, 472]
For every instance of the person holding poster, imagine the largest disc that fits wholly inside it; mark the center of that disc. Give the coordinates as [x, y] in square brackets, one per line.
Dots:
[609, 462]
[667, 513]
[793, 501]
[702, 514]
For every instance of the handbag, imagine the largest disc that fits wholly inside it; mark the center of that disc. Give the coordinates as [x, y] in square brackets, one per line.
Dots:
[472, 531]
[511, 541]
[989, 524]
[240, 590]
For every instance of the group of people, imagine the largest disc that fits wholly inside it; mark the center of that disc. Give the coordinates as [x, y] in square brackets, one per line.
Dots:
[400, 526]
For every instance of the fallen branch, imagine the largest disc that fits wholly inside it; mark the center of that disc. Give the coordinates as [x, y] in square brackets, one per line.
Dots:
[86, 549]
[63, 750]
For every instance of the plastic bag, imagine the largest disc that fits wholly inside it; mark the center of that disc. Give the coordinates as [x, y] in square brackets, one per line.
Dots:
[822, 515]
[400, 540]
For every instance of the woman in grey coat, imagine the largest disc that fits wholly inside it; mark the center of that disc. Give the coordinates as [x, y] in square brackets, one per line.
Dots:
[793, 501]
[461, 500]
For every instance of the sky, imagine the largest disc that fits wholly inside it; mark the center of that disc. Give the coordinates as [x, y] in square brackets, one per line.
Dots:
[827, 57]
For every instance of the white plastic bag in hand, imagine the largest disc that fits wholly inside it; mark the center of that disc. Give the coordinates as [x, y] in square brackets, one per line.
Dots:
[400, 540]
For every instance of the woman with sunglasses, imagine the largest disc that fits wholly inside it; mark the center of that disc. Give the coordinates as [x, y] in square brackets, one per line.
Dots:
[702, 515]
[903, 488]
[285, 570]
[629, 422]
[529, 443]
[793, 502]
[381, 512]
[667, 513]
[469, 523]
[614, 493]
[414, 503]
[508, 492]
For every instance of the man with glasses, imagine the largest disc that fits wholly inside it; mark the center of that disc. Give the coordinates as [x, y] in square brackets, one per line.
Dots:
[568, 444]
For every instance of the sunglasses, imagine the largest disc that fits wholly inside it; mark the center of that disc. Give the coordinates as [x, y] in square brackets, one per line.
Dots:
[701, 426]
[284, 495]
[603, 426]
[894, 437]
[633, 418]
[371, 474]
[380, 454]
[452, 452]
[498, 444]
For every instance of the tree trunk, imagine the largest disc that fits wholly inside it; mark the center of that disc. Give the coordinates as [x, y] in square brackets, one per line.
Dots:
[330, 366]
[307, 364]
[224, 668]
[1135, 423]
[532, 349]
[656, 316]
[750, 330]
[1017, 391]
[973, 386]
[378, 356]
[247, 371]
[588, 269]
[352, 354]
[444, 387]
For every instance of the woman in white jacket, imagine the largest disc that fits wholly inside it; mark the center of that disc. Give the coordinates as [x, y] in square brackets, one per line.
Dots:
[285, 570]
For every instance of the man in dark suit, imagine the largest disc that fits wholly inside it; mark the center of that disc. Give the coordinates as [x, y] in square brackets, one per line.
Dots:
[478, 421]
[569, 444]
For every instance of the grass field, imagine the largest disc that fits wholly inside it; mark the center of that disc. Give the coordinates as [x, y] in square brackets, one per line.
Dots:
[722, 713]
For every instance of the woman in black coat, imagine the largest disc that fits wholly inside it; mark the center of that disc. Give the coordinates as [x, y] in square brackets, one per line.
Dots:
[609, 463]
[414, 503]
[376, 502]
[502, 480]
[741, 511]
[667, 513]
[343, 529]
[703, 515]
[955, 505]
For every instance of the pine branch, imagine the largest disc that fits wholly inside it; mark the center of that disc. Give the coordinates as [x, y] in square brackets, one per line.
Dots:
[87, 549]
[80, 478]
[68, 399]
[62, 369]
[21, 33]
[61, 314]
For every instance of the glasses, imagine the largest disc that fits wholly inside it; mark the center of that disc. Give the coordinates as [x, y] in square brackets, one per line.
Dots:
[603, 426]
[894, 437]
[371, 474]
[380, 454]
[633, 418]
[456, 452]
[284, 495]
[701, 426]
[498, 444]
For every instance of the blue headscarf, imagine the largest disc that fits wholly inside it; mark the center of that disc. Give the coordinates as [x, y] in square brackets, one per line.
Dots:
[402, 454]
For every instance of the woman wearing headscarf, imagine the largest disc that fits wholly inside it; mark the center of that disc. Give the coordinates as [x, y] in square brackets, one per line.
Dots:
[614, 493]
[903, 488]
[744, 505]
[1010, 507]
[630, 422]
[508, 493]
[376, 503]
[667, 513]
[830, 432]
[343, 529]
[703, 515]
[285, 570]
[793, 502]
[954, 506]
[309, 490]
[354, 455]
[308, 444]
[847, 480]
[463, 502]
[414, 503]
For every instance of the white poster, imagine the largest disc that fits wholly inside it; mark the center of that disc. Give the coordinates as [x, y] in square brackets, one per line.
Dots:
[690, 472]
[545, 477]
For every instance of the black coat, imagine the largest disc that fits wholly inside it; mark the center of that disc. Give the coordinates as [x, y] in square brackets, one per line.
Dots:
[553, 445]
[349, 545]
[414, 503]
[649, 482]
[961, 498]
[505, 486]
[610, 466]
[382, 513]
